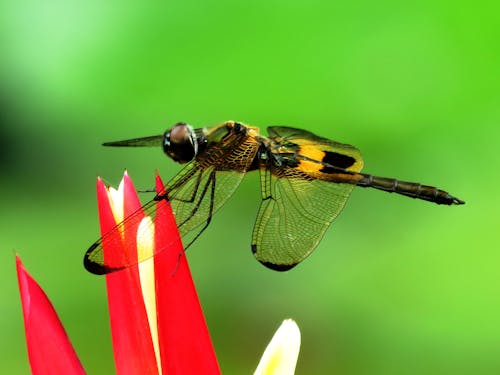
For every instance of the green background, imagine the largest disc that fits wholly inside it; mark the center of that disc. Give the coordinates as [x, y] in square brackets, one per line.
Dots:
[397, 286]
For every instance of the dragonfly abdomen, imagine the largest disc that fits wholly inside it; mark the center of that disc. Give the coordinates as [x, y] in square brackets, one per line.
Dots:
[409, 189]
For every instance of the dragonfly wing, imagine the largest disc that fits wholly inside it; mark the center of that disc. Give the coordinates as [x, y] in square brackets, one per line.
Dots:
[293, 217]
[302, 194]
[123, 236]
[195, 194]
[311, 146]
[286, 133]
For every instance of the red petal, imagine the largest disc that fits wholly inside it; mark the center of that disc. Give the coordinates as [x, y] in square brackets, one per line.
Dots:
[132, 345]
[185, 344]
[49, 348]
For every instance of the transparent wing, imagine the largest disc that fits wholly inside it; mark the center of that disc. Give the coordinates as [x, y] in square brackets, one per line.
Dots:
[152, 141]
[95, 260]
[304, 137]
[195, 194]
[293, 217]
[302, 194]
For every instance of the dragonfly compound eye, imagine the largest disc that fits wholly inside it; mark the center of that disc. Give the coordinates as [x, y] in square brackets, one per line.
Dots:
[180, 143]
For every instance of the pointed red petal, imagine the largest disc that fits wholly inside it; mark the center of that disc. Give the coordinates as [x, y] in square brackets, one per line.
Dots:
[185, 343]
[132, 345]
[49, 348]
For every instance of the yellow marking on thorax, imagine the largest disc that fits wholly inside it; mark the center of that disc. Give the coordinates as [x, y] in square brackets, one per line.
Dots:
[253, 131]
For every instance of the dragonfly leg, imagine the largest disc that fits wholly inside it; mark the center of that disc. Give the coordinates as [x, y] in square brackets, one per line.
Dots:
[211, 182]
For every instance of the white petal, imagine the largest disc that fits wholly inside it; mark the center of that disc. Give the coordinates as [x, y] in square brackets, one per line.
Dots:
[145, 249]
[116, 201]
[280, 356]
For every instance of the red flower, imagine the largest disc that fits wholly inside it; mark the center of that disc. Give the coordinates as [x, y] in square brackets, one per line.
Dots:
[156, 319]
[161, 290]
[49, 348]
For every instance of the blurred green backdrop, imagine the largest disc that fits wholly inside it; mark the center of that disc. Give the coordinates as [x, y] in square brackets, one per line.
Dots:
[396, 287]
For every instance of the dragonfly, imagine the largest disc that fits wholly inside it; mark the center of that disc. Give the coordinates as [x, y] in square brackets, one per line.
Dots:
[305, 182]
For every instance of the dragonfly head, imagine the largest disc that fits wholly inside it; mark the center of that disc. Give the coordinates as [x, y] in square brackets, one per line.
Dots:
[180, 143]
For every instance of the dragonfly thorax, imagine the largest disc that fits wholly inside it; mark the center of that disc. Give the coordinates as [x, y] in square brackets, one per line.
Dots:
[180, 143]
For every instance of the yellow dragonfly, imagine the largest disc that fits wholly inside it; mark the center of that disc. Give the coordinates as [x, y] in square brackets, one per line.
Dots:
[305, 183]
